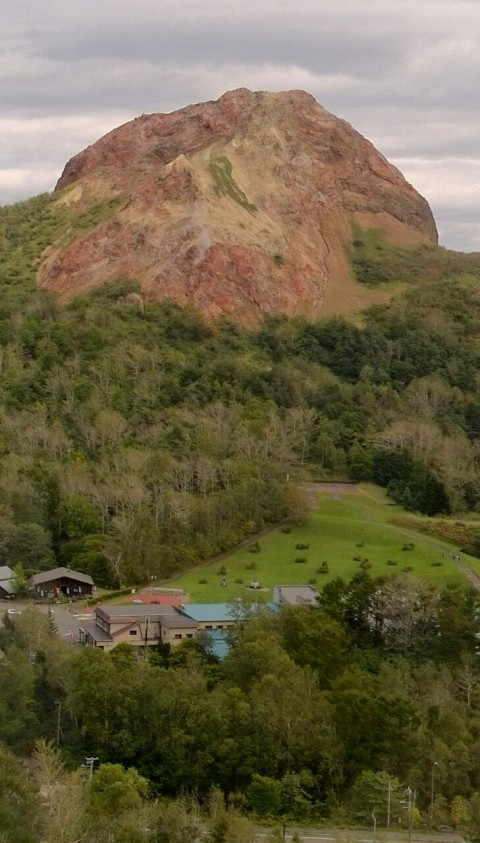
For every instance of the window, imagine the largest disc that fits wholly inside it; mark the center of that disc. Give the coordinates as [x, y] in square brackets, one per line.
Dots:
[208, 626]
[189, 635]
[178, 635]
[133, 632]
[219, 625]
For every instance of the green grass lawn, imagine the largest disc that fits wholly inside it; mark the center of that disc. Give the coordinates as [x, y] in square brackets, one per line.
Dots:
[341, 531]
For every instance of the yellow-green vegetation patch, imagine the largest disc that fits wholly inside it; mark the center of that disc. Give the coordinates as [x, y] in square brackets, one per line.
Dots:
[221, 171]
[455, 532]
[374, 261]
[28, 228]
[96, 214]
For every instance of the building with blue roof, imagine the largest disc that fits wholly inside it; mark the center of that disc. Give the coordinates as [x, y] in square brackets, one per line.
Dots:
[210, 616]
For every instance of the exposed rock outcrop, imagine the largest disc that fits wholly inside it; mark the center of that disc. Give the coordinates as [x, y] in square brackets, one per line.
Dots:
[241, 206]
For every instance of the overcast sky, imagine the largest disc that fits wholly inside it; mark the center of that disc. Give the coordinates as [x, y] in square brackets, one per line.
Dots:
[404, 73]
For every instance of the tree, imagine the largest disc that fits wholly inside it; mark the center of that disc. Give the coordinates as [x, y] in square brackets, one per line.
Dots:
[17, 719]
[457, 617]
[459, 812]
[63, 817]
[467, 678]
[179, 822]
[406, 608]
[313, 639]
[19, 582]
[376, 793]
[473, 826]
[18, 801]
[114, 793]
[264, 796]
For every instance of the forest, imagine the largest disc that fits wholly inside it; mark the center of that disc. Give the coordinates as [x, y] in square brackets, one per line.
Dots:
[137, 440]
[319, 715]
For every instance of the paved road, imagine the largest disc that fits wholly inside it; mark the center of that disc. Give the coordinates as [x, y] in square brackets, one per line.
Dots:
[66, 622]
[338, 835]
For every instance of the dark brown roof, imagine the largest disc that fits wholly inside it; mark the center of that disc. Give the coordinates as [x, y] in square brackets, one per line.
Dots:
[61, 573]
[174, 622]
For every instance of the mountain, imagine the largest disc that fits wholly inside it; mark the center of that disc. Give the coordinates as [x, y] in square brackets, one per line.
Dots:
[243, 206]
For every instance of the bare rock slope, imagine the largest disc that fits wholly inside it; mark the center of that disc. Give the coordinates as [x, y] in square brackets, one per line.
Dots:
[241, 206]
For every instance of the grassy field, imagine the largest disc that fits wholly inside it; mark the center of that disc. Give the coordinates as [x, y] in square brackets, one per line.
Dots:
[344, 529]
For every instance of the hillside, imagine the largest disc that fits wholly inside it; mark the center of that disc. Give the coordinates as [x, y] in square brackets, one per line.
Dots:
[243, 206]
[139, 439]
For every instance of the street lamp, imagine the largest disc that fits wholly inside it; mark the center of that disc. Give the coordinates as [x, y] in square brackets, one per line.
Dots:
[410, 805]
[432, 791]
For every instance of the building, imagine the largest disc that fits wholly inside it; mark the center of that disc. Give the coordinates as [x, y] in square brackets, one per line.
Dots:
[210, 616]
[295, 595]
[7, 589]
[58, 581]
[139, 625]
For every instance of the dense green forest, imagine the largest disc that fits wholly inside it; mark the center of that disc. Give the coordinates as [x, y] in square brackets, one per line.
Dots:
[314, 716]
[137, 440]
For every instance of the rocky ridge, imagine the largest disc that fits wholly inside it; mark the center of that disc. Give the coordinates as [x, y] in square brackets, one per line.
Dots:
[241, 206]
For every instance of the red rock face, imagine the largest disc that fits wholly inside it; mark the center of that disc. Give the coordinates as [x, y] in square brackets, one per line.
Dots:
[242, 206]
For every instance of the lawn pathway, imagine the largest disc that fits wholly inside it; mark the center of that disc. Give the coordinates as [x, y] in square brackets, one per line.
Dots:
[337, 489]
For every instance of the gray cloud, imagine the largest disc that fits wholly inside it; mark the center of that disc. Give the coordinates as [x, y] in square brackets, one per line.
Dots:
[405, 75]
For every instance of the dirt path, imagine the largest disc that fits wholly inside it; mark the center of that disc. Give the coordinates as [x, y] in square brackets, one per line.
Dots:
[333, 489]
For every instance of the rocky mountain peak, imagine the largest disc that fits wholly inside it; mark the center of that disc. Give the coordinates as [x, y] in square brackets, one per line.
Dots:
[241, 206]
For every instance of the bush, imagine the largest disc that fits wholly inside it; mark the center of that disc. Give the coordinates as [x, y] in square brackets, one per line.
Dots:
[286, 528]
[437, 564]
[300, 560]
[251, 566]
[391, 562]
[239, 580]
[312, 580]
[222, 572]
[301, 546]
[323, 569]
[203, 581]
[408, 546]
[254, 547]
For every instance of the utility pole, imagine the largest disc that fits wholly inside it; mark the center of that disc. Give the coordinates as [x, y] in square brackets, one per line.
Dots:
[89, 762]
[389, 802]
[146, 636]
[432, 791]
[59, 711]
